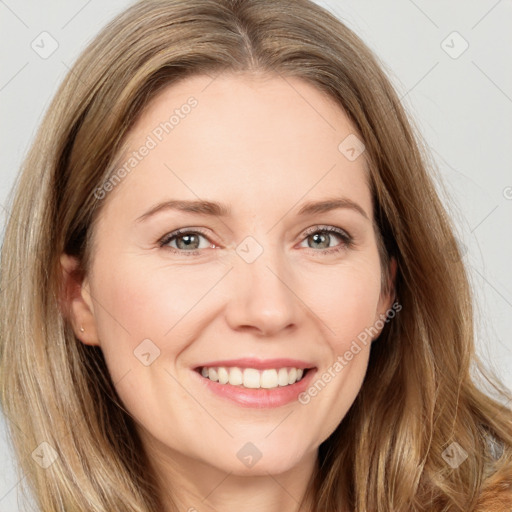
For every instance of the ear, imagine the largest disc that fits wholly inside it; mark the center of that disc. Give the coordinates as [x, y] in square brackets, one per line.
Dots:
[386, 299]
[75, 301]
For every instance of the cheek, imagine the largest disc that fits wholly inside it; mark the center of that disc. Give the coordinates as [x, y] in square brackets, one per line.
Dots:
[139, 301]
[346, 300]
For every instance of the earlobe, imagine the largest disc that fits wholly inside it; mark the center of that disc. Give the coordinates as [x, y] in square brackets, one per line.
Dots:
[75, 301]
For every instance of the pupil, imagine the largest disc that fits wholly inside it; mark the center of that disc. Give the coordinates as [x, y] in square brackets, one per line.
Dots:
[317, 236]
[187, 239]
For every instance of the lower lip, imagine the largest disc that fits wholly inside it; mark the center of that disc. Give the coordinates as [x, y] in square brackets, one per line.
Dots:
[259, 398]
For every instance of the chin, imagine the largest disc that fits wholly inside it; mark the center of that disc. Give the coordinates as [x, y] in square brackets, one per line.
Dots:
[276, 462]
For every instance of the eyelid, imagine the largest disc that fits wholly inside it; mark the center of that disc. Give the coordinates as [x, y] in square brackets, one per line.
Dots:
[326, 227]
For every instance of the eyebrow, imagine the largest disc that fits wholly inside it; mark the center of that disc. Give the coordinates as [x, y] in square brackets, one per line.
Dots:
[215, 209]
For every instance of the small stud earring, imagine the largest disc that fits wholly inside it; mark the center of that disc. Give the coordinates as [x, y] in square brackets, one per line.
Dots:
[82, 329]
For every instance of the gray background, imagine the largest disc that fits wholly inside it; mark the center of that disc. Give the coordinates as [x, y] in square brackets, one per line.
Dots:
[461, 101]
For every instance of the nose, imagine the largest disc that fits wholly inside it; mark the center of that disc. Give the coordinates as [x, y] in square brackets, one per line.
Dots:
[261, 297]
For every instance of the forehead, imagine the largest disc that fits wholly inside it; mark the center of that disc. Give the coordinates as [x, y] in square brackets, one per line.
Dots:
[242, 140]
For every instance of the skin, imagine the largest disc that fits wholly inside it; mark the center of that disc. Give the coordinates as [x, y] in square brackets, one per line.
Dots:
[265, 146]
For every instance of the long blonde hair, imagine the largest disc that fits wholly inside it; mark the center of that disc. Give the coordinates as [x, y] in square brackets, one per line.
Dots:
[420, 393]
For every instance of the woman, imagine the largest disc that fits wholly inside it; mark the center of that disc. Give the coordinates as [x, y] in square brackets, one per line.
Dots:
[179, 342]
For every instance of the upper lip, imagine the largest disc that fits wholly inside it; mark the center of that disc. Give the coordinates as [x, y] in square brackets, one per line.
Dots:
[259, 364]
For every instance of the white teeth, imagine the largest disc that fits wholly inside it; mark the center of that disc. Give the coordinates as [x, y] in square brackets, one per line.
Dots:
[223, 375]
[268, 379]
[236, 376]
[212, 374]
[253, 378]
[282, 377]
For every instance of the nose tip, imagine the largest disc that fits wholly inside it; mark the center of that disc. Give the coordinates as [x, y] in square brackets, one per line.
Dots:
[262, 300]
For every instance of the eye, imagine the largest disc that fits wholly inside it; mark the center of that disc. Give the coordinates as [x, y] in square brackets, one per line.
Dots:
[322, 235]
[185, 239]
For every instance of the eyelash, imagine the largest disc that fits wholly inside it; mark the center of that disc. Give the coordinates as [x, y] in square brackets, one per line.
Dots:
[347, 240]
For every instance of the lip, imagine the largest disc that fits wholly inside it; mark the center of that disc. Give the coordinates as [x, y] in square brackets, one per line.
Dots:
[259, 364]
[260, 398]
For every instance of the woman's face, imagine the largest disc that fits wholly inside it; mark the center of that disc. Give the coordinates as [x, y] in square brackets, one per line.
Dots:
[262, 281]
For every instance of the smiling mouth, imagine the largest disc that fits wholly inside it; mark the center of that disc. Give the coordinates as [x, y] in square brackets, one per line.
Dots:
[253, 378]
